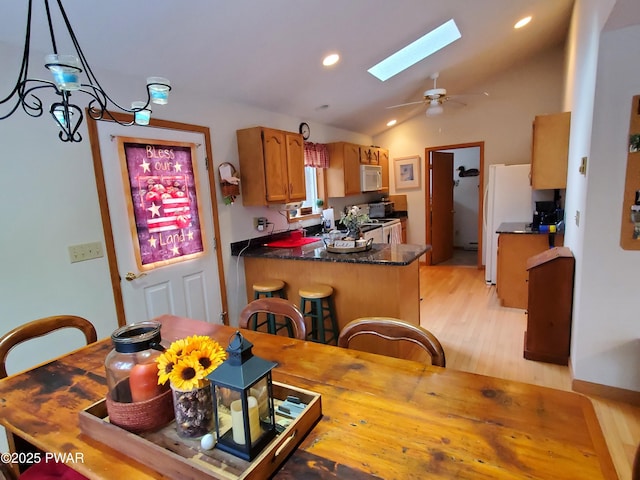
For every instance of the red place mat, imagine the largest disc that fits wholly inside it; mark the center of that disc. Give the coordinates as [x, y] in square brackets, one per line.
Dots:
[290, 242]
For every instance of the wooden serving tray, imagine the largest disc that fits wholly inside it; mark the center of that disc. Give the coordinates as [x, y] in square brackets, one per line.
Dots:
[178, 458]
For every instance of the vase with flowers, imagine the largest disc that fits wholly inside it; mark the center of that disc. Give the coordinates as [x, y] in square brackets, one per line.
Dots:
[353, 218]
[186, 364]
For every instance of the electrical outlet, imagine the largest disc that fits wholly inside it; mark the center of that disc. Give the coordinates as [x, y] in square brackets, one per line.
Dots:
[260, 223]
[85, 251]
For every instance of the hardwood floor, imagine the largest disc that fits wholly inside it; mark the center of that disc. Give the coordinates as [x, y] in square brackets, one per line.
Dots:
[480, 336]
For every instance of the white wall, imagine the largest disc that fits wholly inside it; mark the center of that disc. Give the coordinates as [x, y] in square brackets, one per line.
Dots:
[606, 328]
[503, 121]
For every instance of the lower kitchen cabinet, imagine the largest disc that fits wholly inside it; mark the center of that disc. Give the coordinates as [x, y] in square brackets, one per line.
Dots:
[514, 249]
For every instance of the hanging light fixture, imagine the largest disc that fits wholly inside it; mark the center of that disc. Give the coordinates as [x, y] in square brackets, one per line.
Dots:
[66, 70]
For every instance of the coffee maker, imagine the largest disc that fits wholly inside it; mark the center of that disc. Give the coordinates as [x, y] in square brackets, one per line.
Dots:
[548, 213]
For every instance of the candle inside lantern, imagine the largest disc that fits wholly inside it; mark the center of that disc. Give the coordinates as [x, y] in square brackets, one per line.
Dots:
[237, 423]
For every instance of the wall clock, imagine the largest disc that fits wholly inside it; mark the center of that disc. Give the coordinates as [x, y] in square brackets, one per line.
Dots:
[305, 130]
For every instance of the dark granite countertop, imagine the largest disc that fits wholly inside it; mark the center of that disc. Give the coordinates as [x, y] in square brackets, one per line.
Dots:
[521, 227]
[380, 254]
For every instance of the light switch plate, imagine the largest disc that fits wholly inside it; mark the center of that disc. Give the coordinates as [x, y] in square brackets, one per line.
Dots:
[85, 251]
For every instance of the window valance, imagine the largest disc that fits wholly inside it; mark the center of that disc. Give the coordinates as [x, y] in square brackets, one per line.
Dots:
[316, 155]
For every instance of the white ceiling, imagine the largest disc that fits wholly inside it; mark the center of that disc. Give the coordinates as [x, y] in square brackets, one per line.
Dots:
[268, 53]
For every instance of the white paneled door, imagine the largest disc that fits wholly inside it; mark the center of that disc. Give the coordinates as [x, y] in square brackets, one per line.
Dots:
[188, 288]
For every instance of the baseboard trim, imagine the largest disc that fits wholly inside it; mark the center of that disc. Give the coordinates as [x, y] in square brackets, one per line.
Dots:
[612, 393]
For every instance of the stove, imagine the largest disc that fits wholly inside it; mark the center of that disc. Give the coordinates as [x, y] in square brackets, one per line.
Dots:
[382, 221]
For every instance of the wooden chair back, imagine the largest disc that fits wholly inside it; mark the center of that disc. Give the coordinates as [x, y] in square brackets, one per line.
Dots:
[276, 306]
[394, 330]
[635, 474]
[40, 327]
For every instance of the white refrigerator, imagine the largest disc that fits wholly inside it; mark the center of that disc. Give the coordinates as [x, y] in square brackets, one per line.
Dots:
[508, 198]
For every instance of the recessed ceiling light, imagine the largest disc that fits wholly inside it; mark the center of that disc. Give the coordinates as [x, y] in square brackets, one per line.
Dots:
[522, 22]
[391, 123]
[331, 59]
[414, 52]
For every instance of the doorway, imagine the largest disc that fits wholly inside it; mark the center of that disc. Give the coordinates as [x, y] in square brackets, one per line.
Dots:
[189, 287]
[454, 203]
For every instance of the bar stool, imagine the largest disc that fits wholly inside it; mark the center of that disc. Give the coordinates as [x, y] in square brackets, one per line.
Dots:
[269, 288]
[316, 302]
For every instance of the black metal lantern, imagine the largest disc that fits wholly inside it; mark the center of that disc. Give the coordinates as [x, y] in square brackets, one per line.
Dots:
[243, 401]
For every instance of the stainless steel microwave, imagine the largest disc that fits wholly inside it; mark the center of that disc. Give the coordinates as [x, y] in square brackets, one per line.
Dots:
[370, 178]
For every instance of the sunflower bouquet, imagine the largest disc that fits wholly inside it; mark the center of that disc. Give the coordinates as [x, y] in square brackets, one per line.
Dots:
[188, 361]
[186, 364]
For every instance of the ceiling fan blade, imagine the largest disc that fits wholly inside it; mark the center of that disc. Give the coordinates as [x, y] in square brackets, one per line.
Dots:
[453, 100]
[405, 104]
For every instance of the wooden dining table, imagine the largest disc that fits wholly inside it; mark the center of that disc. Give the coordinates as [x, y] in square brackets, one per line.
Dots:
[382, 417]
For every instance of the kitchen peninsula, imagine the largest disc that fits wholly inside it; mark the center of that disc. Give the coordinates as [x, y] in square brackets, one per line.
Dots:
[383, 281]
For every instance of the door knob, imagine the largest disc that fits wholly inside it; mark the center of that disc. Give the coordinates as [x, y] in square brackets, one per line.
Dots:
[130, 276]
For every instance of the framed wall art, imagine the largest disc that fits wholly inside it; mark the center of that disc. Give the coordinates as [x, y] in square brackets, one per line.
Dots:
[162, 200]
[407, 172]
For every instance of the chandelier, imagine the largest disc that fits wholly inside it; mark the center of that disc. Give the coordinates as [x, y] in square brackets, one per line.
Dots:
[66, 70]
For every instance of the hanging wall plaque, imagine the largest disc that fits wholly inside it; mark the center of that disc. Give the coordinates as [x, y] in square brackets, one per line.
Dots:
[162, 199]
[630, 231]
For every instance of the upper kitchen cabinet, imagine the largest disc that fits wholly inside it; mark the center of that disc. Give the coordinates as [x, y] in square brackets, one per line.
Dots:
[383, 156]
[271, 166]
[550, 151]
[343, 174]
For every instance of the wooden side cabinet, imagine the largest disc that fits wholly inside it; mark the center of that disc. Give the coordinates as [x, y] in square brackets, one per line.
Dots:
[548, 335]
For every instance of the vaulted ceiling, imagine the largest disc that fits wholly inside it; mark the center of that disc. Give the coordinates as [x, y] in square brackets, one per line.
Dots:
[268, 53]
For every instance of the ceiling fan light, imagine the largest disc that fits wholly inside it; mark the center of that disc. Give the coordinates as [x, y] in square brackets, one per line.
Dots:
[434, 110]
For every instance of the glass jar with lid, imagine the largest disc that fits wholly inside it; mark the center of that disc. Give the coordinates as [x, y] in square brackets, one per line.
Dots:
[132, 374]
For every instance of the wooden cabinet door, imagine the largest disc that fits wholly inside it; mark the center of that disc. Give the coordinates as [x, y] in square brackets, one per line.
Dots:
[295, 167]
[351, 169]
[550, 151]
[275, 165]
[383, 156]
[369, 155]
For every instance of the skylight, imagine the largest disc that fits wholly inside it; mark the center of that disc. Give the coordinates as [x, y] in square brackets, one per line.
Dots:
[418, 50]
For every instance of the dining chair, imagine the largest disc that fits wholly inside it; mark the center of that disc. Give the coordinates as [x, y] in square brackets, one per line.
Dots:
[390, 330]
[22, 333]
[276, 306]
[635, 474]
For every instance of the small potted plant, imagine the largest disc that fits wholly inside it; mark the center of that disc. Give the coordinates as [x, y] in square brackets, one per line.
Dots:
[353, 218]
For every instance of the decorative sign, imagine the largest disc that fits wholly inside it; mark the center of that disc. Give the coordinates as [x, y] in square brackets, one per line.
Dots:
[344, 244]
[160, 179]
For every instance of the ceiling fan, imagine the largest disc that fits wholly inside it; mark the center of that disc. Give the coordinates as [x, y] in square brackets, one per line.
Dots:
[433, 99]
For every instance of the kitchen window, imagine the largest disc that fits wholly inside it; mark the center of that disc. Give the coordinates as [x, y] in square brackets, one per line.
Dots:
[311, 175]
